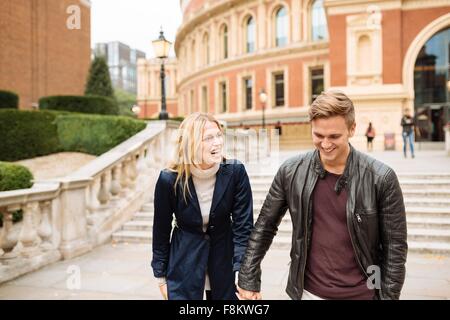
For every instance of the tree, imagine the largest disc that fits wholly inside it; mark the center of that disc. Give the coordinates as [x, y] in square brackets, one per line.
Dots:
[99, 81]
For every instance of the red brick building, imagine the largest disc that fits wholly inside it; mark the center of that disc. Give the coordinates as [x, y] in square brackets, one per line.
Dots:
[44, 47]
[386, 55]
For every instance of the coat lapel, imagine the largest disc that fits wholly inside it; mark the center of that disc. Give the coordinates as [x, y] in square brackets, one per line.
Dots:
[194, 198]
[222, 180]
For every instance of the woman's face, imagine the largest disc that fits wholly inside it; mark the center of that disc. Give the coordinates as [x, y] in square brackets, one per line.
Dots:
[212, 143]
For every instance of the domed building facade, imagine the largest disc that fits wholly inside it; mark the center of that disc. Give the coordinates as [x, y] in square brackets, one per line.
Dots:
[386, 55]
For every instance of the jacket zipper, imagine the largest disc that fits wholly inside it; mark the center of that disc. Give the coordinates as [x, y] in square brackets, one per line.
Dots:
[306, 237]
[353, 243]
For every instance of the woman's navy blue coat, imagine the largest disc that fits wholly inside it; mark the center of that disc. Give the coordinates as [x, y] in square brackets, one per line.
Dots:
[184, 256]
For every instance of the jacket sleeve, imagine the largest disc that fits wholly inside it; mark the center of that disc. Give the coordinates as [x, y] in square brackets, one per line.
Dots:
[393, 237]
[265, 229]
[164, 202]
[242, 216]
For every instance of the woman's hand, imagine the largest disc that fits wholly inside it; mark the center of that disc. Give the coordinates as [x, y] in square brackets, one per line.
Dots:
[163, 290]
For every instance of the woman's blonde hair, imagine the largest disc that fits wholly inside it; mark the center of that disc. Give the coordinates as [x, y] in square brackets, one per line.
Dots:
[188, 149]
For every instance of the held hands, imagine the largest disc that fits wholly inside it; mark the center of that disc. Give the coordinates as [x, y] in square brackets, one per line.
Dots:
[248, 295]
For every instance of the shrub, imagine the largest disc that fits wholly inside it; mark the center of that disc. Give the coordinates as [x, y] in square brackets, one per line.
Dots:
[95, 134]
[82, 104]
[14, 177]
[27, 134]
[8, 100]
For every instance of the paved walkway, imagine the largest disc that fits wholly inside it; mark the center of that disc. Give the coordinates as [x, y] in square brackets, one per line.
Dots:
[424, 161]
[123, 272]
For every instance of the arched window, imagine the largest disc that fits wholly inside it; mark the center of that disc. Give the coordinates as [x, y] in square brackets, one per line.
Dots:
[224, 41]
[250, 35]
[281, 27]
[206, 49]
[318, 21]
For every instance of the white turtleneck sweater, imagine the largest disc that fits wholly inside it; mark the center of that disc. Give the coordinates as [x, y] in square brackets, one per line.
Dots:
[204, 183]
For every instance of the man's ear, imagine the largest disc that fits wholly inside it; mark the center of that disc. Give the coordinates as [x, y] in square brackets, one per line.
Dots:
[352, 130]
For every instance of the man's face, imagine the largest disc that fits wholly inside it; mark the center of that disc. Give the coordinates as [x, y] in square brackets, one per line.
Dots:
[331, 137]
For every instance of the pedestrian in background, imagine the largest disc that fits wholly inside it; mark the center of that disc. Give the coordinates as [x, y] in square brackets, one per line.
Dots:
[370, 134]
[408, 125]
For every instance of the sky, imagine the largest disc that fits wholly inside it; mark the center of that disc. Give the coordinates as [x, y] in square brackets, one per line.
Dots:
[134, 22]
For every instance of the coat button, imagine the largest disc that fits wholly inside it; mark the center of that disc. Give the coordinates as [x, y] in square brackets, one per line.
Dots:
[207, 237]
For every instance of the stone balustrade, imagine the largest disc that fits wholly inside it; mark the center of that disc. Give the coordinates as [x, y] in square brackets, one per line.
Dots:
[66, 217]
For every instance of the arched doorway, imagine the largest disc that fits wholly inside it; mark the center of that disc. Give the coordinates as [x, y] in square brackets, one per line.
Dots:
[432, 87]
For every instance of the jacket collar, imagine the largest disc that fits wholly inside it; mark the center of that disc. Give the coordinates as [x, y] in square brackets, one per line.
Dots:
[344, 178]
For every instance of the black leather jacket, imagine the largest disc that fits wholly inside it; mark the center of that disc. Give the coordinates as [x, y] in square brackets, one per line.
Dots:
[375, 217]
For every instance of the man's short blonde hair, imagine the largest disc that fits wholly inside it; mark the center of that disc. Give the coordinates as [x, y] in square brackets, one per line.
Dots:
[333, 103]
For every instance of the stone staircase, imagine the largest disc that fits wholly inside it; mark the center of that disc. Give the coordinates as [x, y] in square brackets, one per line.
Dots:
[426, 196]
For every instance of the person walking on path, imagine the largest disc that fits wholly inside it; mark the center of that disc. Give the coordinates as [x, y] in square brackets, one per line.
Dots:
[203, 216]
[348, 217]
[408, 126]
[370, 134]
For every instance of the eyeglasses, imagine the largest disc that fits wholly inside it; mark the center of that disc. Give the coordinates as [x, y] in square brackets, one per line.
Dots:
[210, 138]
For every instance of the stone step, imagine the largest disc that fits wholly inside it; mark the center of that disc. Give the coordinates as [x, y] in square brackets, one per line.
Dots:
[425, 184]
[424, 235]
[419, 240]
[141, 215]
[415, 213]
[414, 223]
[411, 211]
[147, 207]
[429, 193]
[429, 247]
[430, 230]
[132, 237]
[427, 212]
[266, 180]
[259, 192]
[428, 202]
[409, 201]
[428, 223]
[401, 176]
[138, 225]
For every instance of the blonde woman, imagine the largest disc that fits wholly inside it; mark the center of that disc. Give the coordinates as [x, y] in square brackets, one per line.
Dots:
[211, 201]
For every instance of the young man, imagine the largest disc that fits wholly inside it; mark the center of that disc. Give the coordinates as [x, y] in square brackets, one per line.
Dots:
[348, 216]
[408, 124]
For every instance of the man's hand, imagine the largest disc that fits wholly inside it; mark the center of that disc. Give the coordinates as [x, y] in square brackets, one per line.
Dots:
[163, 290]
[248, 295]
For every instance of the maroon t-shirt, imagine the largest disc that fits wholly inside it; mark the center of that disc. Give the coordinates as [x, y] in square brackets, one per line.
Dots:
[332, 271]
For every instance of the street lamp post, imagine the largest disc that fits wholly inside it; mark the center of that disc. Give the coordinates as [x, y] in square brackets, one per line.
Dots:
[263, 99]
[162, 47]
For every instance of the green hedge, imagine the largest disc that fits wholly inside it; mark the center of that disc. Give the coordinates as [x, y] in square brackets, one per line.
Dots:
[82, 104]
[27, 134]
[14, 177]
[8, 100]
[95, 134]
